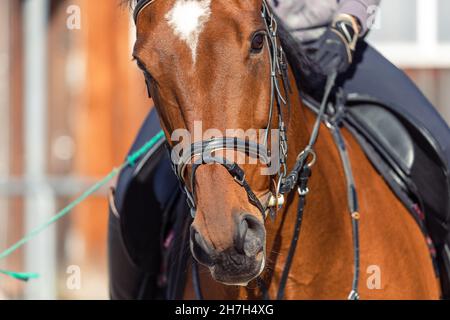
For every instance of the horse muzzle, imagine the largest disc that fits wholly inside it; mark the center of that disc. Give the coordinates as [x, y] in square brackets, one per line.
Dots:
[240, 263]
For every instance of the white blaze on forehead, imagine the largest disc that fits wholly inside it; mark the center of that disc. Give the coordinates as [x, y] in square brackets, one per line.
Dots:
[187, 19]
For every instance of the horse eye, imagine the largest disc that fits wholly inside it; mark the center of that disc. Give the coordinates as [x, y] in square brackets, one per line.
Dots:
[258, 42]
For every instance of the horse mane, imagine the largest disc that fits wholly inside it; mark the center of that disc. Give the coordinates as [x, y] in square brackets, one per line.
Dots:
[305, 71]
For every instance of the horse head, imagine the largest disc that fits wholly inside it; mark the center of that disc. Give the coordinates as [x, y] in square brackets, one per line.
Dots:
[214, 63]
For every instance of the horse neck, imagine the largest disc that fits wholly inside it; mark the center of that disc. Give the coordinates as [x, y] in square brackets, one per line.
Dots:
[300, 123]
[326, 195]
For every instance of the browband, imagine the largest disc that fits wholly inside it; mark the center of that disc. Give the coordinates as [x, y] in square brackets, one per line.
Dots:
[141, 5]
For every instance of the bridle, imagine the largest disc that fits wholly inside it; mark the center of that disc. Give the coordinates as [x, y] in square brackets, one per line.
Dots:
[201, 153]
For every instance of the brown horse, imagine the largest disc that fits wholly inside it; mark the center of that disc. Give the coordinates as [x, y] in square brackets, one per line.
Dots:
[207, 61]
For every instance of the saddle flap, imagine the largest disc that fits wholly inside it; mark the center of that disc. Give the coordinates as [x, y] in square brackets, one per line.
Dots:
[390, 134]
[411, 153]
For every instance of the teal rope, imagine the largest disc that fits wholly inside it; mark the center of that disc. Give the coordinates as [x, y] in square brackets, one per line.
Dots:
[131, 161]
[138, 154]
[22, 276]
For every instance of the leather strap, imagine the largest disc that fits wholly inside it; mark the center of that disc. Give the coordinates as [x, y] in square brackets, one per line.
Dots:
[305, 174]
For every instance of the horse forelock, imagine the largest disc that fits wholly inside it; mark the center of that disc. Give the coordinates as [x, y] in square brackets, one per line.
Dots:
[187, 19]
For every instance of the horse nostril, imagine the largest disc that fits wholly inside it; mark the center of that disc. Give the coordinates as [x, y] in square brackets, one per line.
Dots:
[200, 249]
[251, 236]
[241, 235]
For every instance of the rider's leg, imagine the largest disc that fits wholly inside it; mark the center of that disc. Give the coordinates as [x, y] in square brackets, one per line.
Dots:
[135, 223]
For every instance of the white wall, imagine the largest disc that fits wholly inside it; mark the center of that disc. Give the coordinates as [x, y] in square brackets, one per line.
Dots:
[414, 33]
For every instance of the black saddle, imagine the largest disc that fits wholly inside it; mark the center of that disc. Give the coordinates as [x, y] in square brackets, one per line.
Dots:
[412, 164]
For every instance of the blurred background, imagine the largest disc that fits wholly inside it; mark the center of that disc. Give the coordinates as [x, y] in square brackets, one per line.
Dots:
[72, 101]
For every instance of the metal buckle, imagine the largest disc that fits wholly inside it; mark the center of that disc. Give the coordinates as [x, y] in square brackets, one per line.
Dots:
[354, 295]
[189, 197]
[275, 201]
[303, 192]
[241, 182]
[308, 152]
